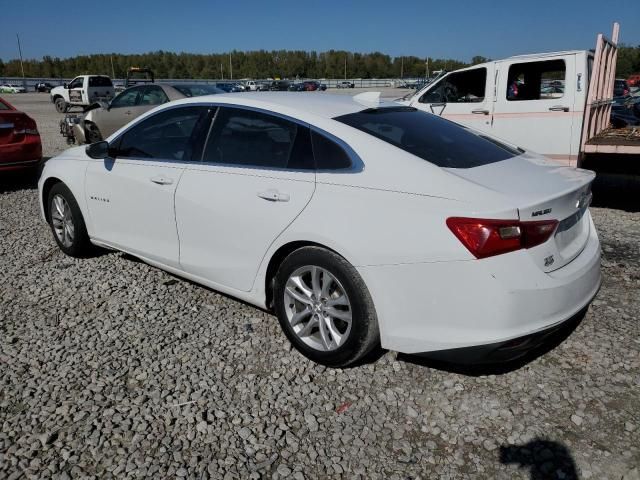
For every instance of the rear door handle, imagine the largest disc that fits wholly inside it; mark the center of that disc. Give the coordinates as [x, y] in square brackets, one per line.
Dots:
[559, 108]
[483, 112]
[274, 196]
[161, 180]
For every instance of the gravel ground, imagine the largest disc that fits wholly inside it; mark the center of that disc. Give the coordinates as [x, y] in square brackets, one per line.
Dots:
[111, 368]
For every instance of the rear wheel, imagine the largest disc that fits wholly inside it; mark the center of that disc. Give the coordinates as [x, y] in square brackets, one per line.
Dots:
[324, 307]
[61, 105]
[67, 224]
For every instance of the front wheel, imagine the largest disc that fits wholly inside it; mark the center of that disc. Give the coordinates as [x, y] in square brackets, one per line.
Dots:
[67, 224]
[324, 307]
[61, 105]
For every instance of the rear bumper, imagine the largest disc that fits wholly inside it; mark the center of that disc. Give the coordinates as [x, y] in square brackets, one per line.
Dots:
[441, 306]
[20, 156]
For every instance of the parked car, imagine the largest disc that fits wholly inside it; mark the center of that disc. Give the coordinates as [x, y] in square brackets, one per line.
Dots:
[346, 84]
[43, 87]
[251, 85]
[279, 85]
[20, 145]
[103, 119]
[313, 85]
[634, 80]
[228, 87]
[297, 87]
[341, 216]
[12, 88]
[620, 88]
[82, 91]
[264, 86]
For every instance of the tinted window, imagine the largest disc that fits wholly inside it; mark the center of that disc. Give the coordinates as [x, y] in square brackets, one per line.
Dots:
[165, 135]
[328, 154]
[536, 80]
[461, 87]
[197, 90]
[128, 98]
[429, 137]
[152, 95]
[100, 82]
[4, 107]
[246, 137]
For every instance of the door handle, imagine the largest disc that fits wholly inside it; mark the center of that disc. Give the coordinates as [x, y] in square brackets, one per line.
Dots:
[483, 112]
[274, 196]
[559, 108]
[161, 180]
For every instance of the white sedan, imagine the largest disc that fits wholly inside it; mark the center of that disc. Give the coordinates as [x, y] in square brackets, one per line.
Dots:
[12, 88]
[358, 223]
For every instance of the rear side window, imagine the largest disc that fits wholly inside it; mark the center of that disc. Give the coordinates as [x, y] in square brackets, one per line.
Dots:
[165, 135]
[100, 82]
[255, 139]
[536, 80]
[328, 154]
[429, 137]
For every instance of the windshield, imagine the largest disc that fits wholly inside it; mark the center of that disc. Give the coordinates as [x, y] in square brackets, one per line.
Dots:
[429, 137]
[197, 90]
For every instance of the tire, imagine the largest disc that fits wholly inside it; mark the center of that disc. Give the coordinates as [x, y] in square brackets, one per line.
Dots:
[61, 105]
[327, 336]
[66, 222]
[92, 133]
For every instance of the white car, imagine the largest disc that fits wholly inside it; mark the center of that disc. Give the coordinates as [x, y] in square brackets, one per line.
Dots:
[357, 223]
[12, 88]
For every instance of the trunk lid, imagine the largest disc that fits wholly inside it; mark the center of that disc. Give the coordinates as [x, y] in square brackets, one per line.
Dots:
[542, 190]
[12, 126]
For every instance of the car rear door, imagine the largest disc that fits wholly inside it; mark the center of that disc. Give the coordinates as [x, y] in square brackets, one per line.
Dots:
[535, 107]
[464, 97]
[76, 91]
[131, 196]
[255, 178]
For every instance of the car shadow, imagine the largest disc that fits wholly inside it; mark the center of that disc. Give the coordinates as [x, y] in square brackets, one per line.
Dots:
[18, 180]
[545, 459]
[617, 181]
[477, 369]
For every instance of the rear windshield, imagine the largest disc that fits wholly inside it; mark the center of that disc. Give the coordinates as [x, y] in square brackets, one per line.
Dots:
[197, 90]
[100, 82]
[429, 137]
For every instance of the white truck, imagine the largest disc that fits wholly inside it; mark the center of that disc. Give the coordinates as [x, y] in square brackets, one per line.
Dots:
[82, 91]
[557, 104]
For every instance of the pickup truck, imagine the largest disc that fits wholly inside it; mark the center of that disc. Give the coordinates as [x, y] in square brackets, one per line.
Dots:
[82, 91]
[558, 104]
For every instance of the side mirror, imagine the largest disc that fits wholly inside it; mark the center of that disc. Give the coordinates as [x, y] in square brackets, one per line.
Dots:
[98, 150]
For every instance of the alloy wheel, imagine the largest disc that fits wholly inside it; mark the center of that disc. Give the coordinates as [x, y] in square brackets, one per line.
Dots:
[318, 308]
[62, 221]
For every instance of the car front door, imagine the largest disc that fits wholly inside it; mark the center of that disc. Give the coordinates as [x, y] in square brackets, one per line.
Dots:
[256, 176]
[122, 109]
[535, 105]
[464, 97]
[76, 90]
[131, 196]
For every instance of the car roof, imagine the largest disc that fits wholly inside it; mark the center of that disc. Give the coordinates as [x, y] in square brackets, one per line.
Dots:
[319, 104]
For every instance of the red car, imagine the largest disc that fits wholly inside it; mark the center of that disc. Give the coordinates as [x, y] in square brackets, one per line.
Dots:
[20, 146]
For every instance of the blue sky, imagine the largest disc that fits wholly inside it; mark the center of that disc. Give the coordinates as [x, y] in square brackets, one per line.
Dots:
[439, 29]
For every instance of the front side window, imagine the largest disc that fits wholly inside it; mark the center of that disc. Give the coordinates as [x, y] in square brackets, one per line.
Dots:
[166, 135]
[76, 83]
[128, 98]
[536, 80]
[153, 95]
[249, 138]
[459, 87]
[438, 141]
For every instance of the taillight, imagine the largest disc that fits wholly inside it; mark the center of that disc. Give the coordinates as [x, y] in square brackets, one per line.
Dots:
[30, 126]
[487, 237]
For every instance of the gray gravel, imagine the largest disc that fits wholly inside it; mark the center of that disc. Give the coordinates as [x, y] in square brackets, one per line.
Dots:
[110, 368]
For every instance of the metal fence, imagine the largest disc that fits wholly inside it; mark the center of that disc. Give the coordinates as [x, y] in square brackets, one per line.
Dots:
[30, 83]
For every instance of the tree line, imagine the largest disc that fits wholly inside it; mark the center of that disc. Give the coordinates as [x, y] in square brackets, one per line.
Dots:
[236, 64]
[261, 64]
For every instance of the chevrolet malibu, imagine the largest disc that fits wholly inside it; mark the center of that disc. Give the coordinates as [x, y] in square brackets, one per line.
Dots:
[357, 222]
